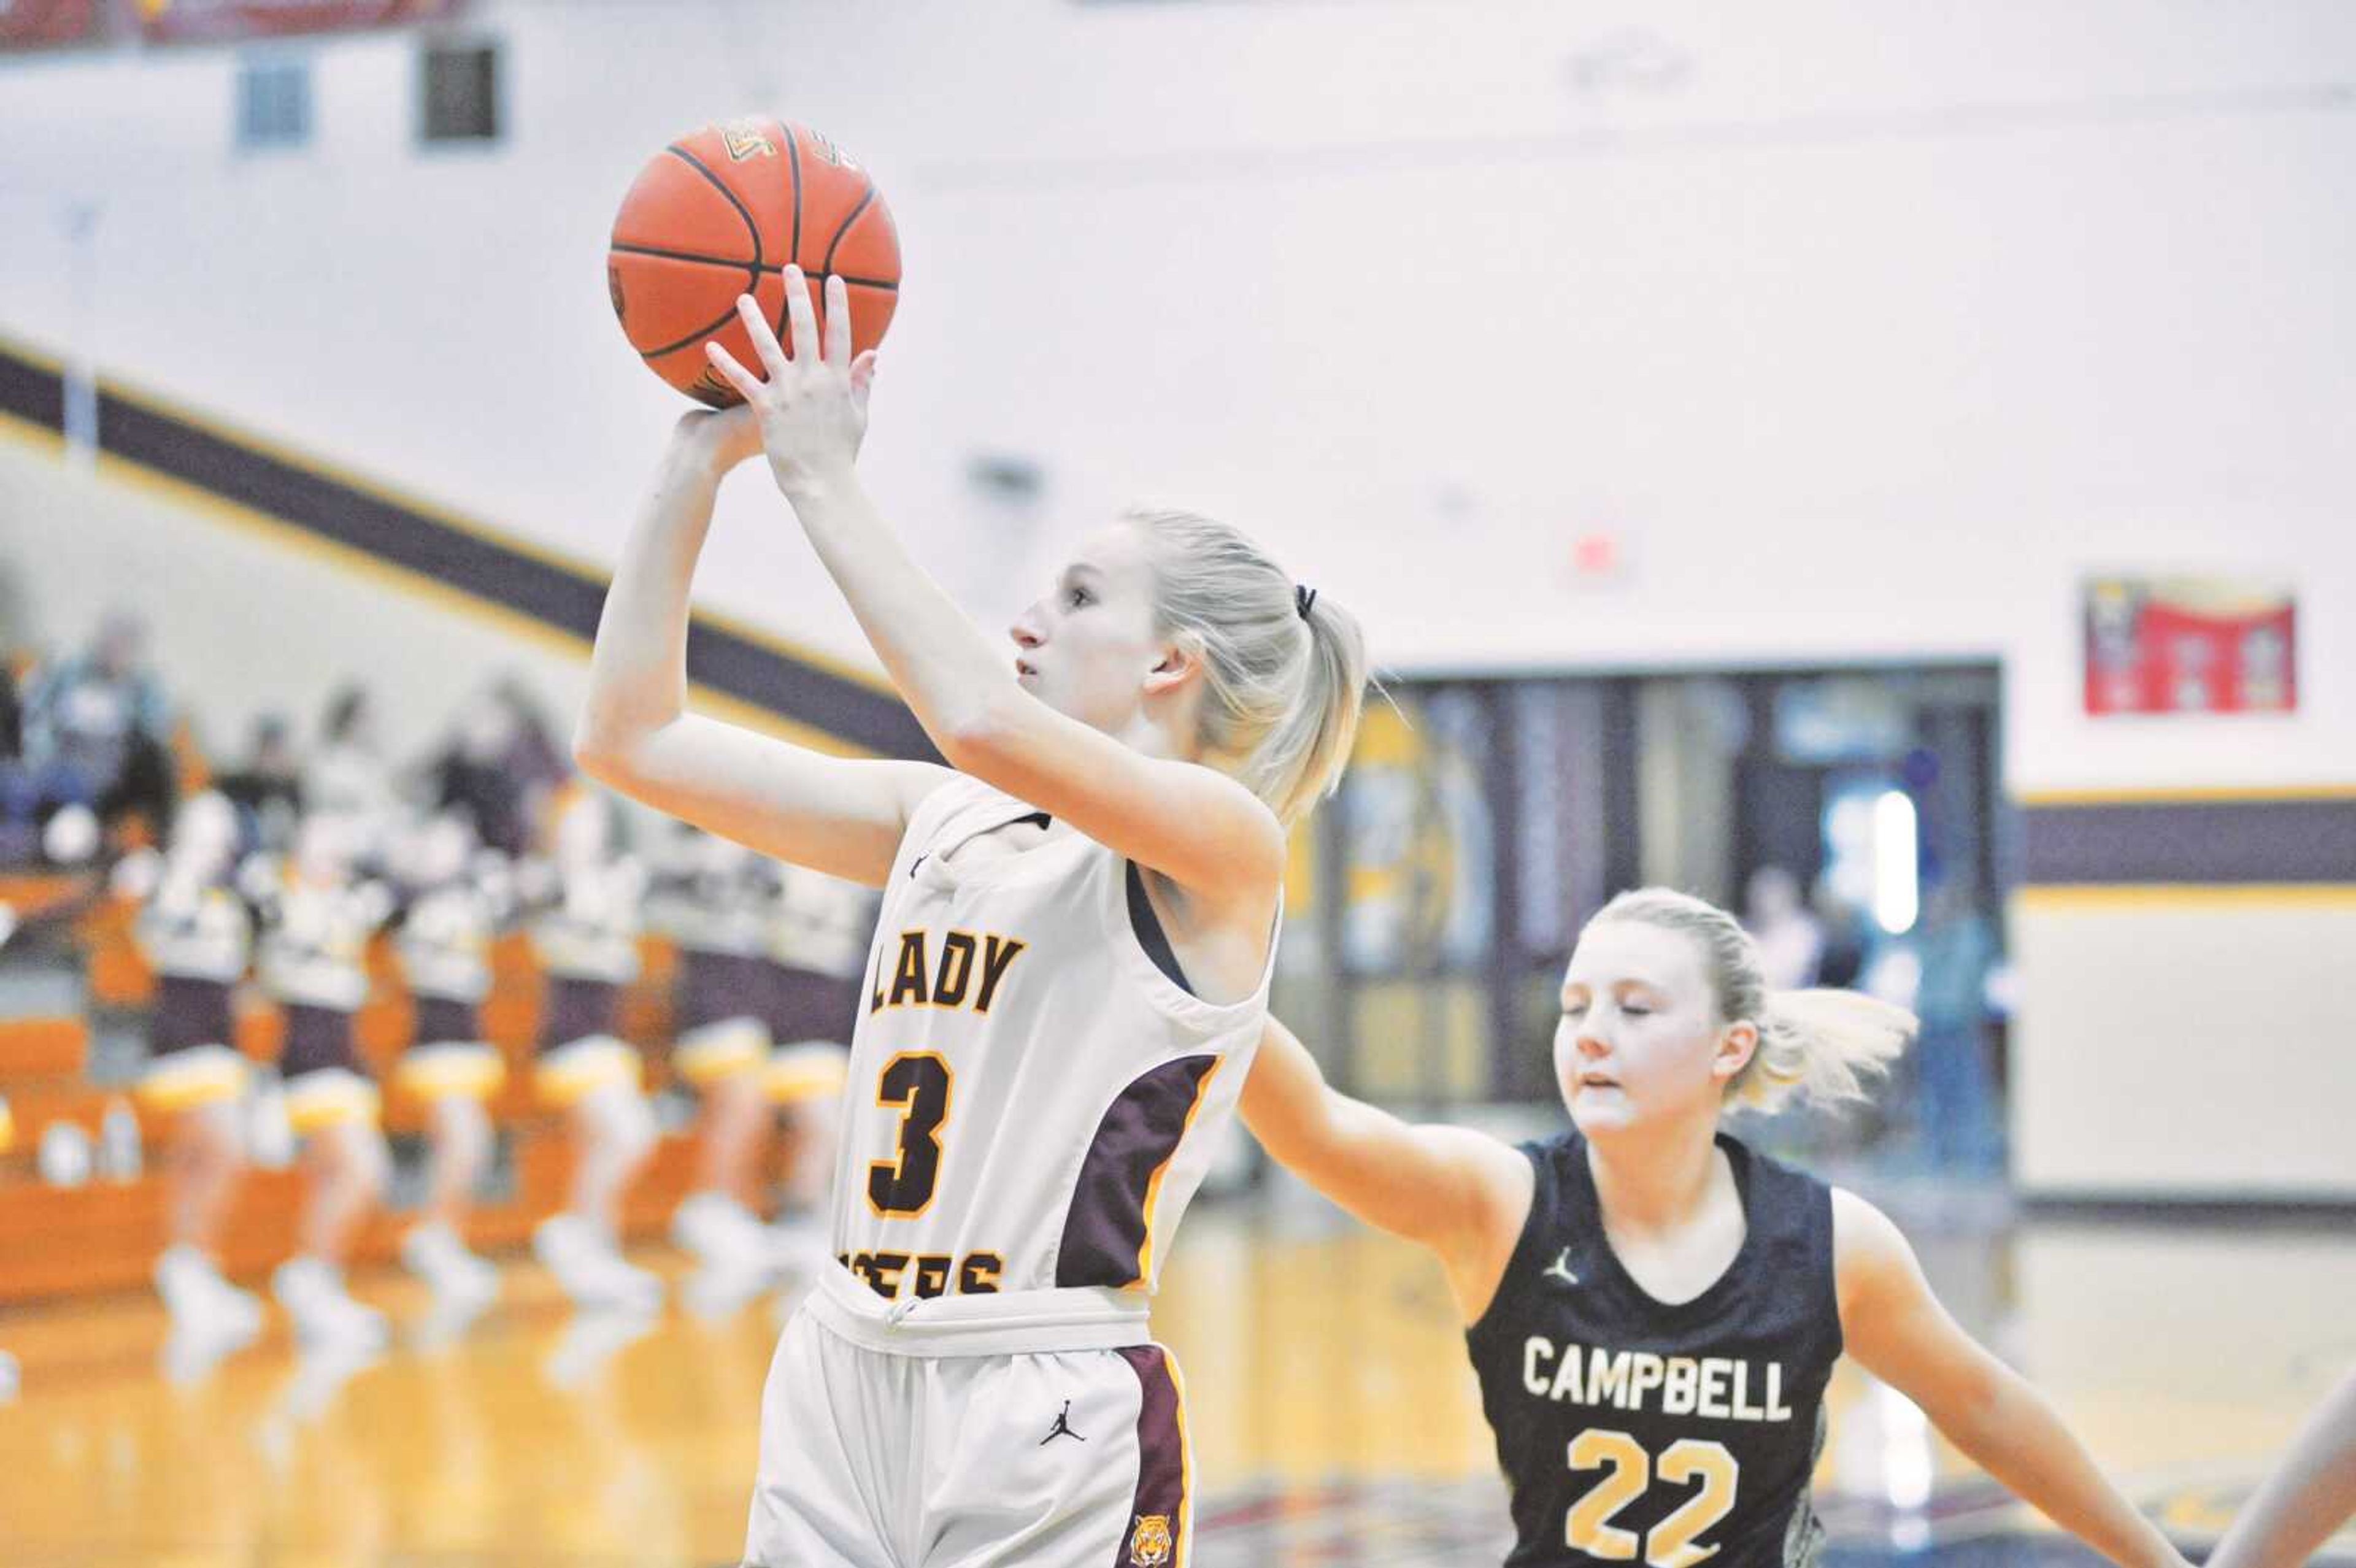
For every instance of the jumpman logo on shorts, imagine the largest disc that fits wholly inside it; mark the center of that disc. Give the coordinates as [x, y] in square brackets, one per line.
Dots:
[1062, 1427]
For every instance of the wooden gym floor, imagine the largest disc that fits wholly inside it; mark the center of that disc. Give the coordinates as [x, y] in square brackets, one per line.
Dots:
[1333, 1419]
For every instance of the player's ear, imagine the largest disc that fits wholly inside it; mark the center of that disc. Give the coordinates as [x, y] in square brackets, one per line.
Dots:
[1736, 1043]
[1177, 662]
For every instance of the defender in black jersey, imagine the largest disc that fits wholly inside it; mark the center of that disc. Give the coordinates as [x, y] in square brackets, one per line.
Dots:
[1706, 1414]
[1653, 1309]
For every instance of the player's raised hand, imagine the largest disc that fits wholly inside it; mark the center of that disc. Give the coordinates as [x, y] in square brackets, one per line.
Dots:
[718, 438]
[811, 407]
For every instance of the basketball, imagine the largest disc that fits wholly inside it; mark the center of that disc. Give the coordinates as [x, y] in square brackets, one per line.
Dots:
[722, 212]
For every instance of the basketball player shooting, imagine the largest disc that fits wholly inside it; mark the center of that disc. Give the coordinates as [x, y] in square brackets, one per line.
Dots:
[1069, 975]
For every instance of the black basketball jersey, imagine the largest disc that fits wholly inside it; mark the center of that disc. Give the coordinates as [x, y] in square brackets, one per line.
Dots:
[1631, 1431]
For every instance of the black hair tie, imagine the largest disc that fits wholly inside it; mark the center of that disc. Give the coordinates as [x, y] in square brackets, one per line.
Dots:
[1304, 596]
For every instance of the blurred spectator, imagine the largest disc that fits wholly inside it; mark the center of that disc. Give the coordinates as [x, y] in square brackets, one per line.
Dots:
[1791, 939]
[269, 788]
[587, 942]
[533, 754]
[502, 767]
[451, 907]
[346, 774]
[1955, 947]
[317, 917]
[1846, 939]
[18, 795]
[197, 934]
[471, 776]
[95, 727]
[12, 715]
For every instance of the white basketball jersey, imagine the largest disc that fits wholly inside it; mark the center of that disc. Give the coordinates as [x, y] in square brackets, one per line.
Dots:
[1031, 1100]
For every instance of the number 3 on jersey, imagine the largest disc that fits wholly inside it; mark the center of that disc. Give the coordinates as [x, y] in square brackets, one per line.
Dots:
[1670, 1544]
[918, 1082]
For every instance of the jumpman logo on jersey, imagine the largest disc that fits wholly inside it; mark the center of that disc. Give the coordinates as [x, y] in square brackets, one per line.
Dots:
[1039, 817]
[1062, 1427]
[1560, 1269]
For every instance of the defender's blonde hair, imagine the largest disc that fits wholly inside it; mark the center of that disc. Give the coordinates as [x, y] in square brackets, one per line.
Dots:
[1819, 1045]
[1284, 670]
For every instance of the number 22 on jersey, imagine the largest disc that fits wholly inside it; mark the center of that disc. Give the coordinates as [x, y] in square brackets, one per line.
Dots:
[1671, 1542]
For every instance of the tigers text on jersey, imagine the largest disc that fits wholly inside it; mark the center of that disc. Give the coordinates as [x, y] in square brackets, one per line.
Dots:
[1634, 1430]
[1031, 1101]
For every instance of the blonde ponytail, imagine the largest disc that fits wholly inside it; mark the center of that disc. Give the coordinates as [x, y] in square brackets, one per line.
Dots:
[1284, 668]
[1817, 1046]
[1820, 1046]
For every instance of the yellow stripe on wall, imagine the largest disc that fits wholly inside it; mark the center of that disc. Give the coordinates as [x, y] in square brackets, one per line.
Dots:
[2189, 794]
[40, 359]
[2155, 896]
[31, 434]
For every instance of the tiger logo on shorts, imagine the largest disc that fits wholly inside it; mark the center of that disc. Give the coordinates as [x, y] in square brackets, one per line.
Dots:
[1149, 1543]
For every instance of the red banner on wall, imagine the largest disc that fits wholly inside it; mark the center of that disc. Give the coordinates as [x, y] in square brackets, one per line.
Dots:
[35, 24]
[2189, 644]
[215, 21]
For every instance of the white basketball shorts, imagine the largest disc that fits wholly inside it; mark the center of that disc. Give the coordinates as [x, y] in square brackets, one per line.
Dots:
[933, 1455]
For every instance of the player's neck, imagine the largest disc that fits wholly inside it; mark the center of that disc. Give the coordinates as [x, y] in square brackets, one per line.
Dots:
[1657, 1180]
[1166, 724]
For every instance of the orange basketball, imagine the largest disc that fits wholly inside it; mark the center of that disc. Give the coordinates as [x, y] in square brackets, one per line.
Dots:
[722, 212]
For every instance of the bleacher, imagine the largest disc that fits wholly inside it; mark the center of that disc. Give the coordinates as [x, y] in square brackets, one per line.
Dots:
[104, 1235]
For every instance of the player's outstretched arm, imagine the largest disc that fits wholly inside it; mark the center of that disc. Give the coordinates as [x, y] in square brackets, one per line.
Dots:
[1201, 829]
[1461, 1193]
[2311, 1493]
[1898, 1330]
[636, 734]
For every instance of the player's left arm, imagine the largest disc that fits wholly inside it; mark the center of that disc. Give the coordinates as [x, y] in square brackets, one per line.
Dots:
[1198, 827]
[1898, 1330]
[2311, 1493]
[1459, 1192]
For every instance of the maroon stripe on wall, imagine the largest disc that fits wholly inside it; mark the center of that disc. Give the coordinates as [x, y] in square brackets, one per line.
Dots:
[1160, 1466]
[480, 566]
[2190, 841]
